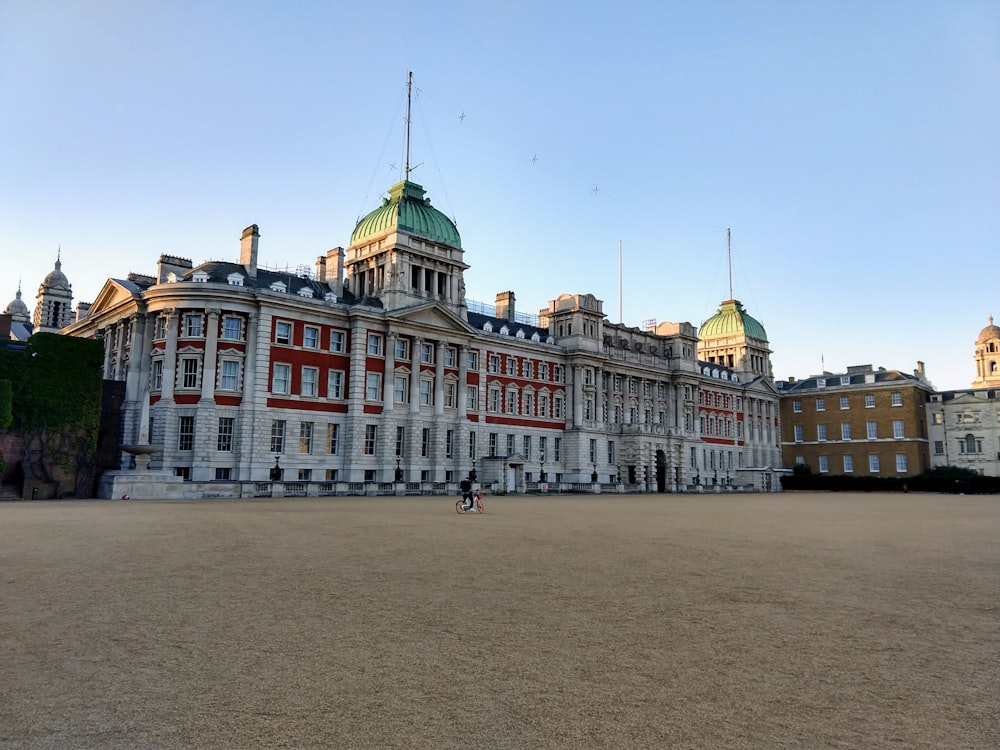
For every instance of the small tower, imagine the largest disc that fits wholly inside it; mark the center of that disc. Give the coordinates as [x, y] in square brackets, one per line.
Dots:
[54, 304]
[988, 357]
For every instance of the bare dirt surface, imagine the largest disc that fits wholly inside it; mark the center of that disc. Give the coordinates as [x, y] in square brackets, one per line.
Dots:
[754, 621]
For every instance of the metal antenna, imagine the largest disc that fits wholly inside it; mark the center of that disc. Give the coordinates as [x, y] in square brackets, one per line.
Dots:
[409, 87]
[729, 252]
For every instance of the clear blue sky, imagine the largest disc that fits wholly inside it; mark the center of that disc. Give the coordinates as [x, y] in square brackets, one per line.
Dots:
[852, 147]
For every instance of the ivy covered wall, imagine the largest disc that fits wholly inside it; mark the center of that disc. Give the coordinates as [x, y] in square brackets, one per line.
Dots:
[55, 406]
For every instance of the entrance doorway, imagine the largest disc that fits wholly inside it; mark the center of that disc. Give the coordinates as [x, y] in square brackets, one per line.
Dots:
[661, 471]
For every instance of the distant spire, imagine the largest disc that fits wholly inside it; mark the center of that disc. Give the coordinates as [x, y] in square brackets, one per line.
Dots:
[729, 252]
[409, 87]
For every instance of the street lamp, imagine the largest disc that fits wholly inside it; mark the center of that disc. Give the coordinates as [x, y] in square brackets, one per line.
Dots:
[399, 471]
[619, 478]
[472, 474]
[593, 475]
[276, 470]
[541, 471]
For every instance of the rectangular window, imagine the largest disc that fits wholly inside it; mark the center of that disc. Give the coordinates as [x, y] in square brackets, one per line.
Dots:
[333, 437]
[335, 384]
[593, 451]
[427, 354]
[160, 327]
[282, 332]
[449, 443]
[845, 402]
[402, 349]
[225, 439]
[281, 379]
[371, 433]
[848, 464]
[400, 440]
[473, 361]
[223, 474]
[492, 444]
[449, 356]
[449, 395]
[937, 418]
[471, 397]
[194, 325]
[527, 447]
[510, 445]
[557, 407]
[400, 389]
[375, 344]
[494, 404]
[543, 405]
[511, 402]
[185, 433]
[425, 442]
[426, 392]
[310, 381]
[305, 437]
[231, 328]
[897, 399]
[557, 449]
[559, 374]
[543, 371]
[189, 372]
[277, 436]
[821, 432]
[873, 463]
[229, 375]
[897, 428]
[305, 475]
[845, 430]
[156, 375]
[527, 369]
[310, 337]
[938, 447]
[796, 405]
[821, 404]
[900, 463]
[472, 445]
[872, 428]
[373, 386]
[528, 404]
[494, 363]
[824, 464]
[542, 446]
[611, 452]
[798, 433]
[869, 400]
[337, 341]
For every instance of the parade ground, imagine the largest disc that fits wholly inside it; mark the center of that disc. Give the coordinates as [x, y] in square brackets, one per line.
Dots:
[791, 620]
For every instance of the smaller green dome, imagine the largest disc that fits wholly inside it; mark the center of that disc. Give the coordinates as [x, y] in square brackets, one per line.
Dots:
[407, 210]
[731, 318]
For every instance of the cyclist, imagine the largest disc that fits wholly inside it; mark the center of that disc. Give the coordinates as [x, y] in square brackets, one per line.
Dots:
[467, 500]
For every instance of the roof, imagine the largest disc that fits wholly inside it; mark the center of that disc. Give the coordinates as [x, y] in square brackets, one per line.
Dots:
[731, 318]
[829, 380]
[407, 210]
[478, 320]
[989, 332]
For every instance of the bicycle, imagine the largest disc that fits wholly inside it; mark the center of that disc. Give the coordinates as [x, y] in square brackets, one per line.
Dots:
[477, 505]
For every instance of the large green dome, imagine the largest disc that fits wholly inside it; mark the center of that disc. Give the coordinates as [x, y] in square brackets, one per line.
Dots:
[407, 210]
[731, 319]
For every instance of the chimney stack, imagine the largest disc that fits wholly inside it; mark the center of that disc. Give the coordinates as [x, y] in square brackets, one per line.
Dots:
[505, 306]
[248, 249]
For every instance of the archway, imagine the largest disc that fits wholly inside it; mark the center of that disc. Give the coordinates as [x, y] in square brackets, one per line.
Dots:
[661, 471]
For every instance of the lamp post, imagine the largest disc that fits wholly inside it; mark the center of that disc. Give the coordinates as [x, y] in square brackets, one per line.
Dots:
[593, 475]
[472, 474]
[399, 471]
[619, 477]
[541, 471]
[276, 470]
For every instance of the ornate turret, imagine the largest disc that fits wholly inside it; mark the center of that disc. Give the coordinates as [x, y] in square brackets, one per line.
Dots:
[988, 357]
[54, 307]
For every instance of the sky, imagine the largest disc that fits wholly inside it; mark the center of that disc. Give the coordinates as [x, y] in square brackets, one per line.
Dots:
[851, 148]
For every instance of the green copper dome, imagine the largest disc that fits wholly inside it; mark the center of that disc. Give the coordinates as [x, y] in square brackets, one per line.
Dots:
[731, 319]
[407, 210]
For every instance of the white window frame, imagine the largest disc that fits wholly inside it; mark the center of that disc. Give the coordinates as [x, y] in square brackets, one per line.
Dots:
[281, 384]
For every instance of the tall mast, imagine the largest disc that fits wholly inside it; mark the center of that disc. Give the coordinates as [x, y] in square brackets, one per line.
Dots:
[409, 86]
[729, 252]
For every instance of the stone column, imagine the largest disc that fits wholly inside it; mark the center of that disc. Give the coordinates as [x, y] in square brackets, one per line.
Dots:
[120, 335]
[415, 373]
[170, 357]
[208, 374]
[463, 376]
[390, 371]
[439, 378]
[577, 395]
[107, 339]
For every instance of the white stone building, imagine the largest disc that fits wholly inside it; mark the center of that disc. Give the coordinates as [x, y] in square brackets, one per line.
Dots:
[376, 363]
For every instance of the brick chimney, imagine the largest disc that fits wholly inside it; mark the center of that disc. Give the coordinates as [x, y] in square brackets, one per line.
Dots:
[248, 249]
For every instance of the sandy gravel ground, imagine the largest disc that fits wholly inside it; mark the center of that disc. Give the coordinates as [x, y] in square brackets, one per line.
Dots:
[756, 621]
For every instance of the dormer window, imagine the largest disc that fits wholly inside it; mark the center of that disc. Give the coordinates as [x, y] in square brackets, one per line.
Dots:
[504, 330]
[235, 279]
[520, 333]
[306, 292]
[199, 276]
[488, 327]
[535, 336]
[172, 278]
[279, 286]
[330, 297]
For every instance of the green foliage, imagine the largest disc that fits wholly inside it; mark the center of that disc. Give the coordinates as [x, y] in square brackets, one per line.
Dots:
[6, 405]
[801, 470]
[55, 396]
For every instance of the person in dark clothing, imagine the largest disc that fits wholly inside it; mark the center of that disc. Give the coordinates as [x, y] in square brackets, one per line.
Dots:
[466, 486]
